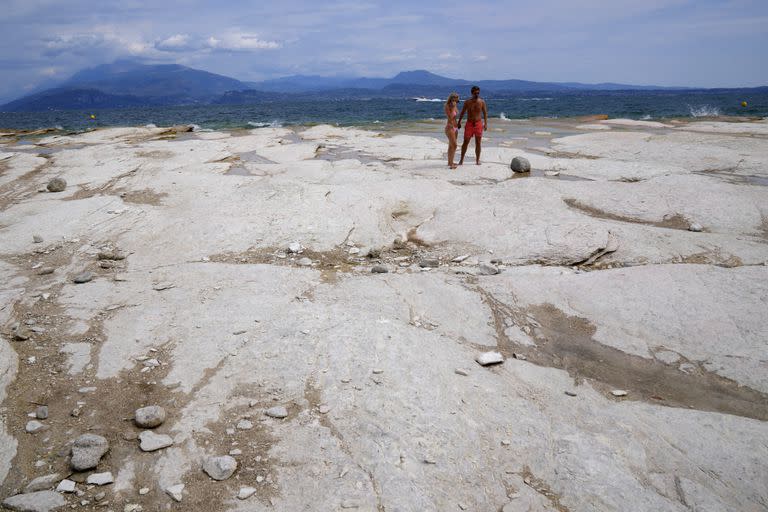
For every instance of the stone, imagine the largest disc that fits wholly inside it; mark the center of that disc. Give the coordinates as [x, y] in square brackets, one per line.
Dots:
[696, 227]
[304, 262]
[429, 263]
[34, 426]
[20, 334]
[149, 417]
[83, 277]
[46, 271]
[350, 504]
[57, 185]
[66, 486]
[100, 478]
[244, 425]
[87, 450]
[461, 371]
[175, 492]
[379, 269]
[150, 442]
[570, 393]
[43, 483]
[277, 412]
[324, 409]
[143, 491]
[246, 492]
[459, 259]
[132, 507]
[111, 255]
[40, 501]
[220, 468]
[618, 392]
[520, 164]
[486, 269]
[294, 247]
[37, 239]
[489, 358]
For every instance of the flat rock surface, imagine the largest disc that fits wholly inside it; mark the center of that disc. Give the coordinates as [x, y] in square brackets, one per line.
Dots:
[40, 501]
[583, 275]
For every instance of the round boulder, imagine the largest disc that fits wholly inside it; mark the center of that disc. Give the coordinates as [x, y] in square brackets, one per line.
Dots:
[57, 185]
[149, 417]
[220, 468]
[87, 450]
[520, 164]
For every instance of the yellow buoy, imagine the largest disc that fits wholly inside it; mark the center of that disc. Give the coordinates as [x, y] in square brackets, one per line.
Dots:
[93, 116]
[743, 103]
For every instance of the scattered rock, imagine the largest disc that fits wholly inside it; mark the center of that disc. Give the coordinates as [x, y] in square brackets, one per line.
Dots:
[459, 259]
[57, 185]
[133, 507]
[175, 491]
[294, 247]
[34, 426]
[519, 356]
[66, 486]
[149, 417]
[37, 239]
[379, 269]
[304, 262]
[20, 334]
[107, 264]
[100, 478]
[429, 263]
[162, 286]
[150, 442]
[236, 451]
[461, 371]
[111, 255]
[220, 468]
[350, 504]
[486, 269]
[552, 173]
[143, 491]
[83, 277]
[246, 492]
[41, 501]
[618, 392]
[696, 227]
[570, 393]
[354, 250]
[489, 358]
[87, 450]
[277, 412]
[43, 483]
[46, 271]
[324, 409]
[520, 164]
[244, 425]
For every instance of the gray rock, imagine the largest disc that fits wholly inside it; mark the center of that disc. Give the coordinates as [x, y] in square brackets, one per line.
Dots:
[277, 412]
[43, 483]
[66, 486]
[696, 227]
[41, 412]
[149, 417]
[100, 478]
[244, 425]
[57, 185]
[461, 371]
[20, 334]
[379, 269]
[40, 501]
[246, 492]
[87, 450]
[486, 269]
[83, 277]
[34, 426]
[150, 442]
[520, 164]
[294, 247]
[220, 468]
[304, 262]
[37, 239]
[111, 255]
[489, 358]
[45, 271]
[429, 263]
[175, 492]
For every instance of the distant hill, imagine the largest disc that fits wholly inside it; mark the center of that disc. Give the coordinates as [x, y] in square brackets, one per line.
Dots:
[126, 83]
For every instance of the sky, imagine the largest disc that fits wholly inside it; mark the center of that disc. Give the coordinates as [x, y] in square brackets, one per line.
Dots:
[700, 43]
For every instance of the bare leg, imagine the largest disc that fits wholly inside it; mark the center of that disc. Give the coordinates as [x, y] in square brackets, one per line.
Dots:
[464, 147]
[451, 134]
[478, 141]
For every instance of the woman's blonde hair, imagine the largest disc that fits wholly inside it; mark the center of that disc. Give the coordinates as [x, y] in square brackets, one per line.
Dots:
[452, 96]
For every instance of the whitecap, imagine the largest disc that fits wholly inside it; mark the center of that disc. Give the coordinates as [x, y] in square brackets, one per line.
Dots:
[703, 111]
[503, 117]
[646, 117]
[421, 98]
[273, 124]
[535, 99]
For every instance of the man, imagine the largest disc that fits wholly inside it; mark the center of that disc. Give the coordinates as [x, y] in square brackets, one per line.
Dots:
[475, 108]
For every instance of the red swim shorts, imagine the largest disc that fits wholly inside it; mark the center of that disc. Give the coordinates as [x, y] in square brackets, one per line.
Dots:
[473, 128]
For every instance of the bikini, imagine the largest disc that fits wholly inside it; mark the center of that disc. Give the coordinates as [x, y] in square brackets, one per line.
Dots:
[451, 123]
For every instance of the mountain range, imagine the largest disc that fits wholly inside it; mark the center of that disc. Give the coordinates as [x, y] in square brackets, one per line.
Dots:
[127, 83]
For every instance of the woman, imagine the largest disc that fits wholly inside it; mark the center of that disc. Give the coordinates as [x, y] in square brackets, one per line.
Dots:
[451, 127]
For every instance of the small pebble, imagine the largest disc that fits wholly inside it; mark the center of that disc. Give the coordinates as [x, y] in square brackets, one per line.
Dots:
[66, 486]
[619, 392]
[570, 393]
[277, 412]
[489, 358]
[379, 269]
[461, 371]
[175, 492]
[37, 239]
[246, 492]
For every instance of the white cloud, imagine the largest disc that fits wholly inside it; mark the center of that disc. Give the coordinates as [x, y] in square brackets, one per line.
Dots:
[175, 43]
[240, 42]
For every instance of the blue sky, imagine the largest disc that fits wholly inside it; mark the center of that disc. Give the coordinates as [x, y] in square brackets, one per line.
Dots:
[709, 43]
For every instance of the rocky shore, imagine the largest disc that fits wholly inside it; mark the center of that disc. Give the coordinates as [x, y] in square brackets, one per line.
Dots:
[330, 319]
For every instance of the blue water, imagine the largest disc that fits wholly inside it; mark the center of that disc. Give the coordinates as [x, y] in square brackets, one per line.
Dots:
[363, 112]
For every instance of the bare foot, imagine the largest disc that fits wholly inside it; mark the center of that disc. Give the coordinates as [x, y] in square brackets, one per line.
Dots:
[453, 166]
[478, 162]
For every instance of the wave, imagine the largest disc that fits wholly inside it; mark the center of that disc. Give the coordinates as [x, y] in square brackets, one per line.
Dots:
[503, 117]
[273, 124]
[426, 99]
[535, 99]
[704, 111]
[646, 117]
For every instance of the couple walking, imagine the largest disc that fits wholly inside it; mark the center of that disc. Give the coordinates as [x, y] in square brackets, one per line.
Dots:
[477, 121]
